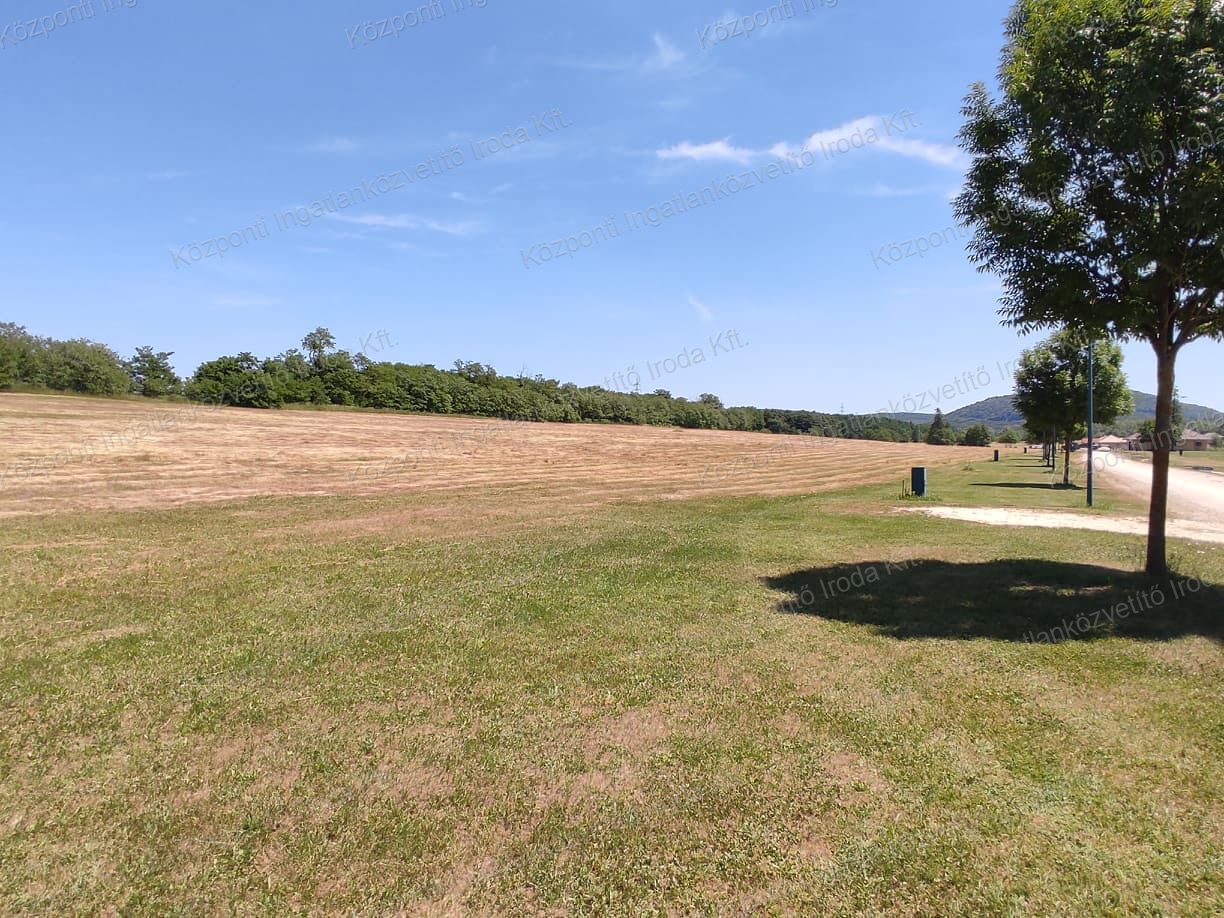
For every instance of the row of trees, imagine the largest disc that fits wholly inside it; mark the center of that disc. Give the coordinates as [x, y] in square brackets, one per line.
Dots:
[1052, 391]
[1094, 188]
[941, 433]
[318, 373]
[33, 362]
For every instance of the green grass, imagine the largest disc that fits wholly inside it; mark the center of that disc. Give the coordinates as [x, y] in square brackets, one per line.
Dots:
[1208, 458]
[232, 708]
[1017, 480]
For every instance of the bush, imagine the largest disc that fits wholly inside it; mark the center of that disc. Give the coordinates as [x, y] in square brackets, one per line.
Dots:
[977, 435]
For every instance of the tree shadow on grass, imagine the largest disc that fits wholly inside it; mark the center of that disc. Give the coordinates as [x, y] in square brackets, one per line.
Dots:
[1022, 600]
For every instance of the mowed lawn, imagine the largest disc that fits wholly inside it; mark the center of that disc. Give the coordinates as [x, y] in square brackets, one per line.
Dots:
[790, 704]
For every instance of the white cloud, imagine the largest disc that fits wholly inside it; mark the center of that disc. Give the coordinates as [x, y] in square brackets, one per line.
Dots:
[703, 311]
[705, 152]
[867, 132]
[666, 54]
[881, 133]
[411, 221]
[166, 175]
[937, 154]
[883, 190]
[846, 132]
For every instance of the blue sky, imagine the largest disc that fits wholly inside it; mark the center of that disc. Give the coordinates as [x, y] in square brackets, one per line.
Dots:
[476, 133]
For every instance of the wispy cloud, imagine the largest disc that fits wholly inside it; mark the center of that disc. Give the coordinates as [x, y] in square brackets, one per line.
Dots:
[166, 175]
[666, 54]
[703, 311]
[715, 150]
[664, 57]
[870, 131]
[412, 222]
[333, 145]
[882, 190]
[847, 131]
[937, 154]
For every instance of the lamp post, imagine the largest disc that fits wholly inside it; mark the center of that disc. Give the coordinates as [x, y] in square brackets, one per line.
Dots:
[1091, 412]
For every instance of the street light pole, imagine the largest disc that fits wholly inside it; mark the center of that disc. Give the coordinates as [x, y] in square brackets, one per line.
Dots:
[1091, 412]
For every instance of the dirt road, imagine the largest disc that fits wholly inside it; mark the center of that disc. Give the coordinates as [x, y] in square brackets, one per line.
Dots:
[1193, 495]
[1193, 530]
[1196, 504]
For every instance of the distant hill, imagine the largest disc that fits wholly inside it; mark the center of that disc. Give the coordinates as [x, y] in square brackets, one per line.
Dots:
[1000, 412]
[996, 412]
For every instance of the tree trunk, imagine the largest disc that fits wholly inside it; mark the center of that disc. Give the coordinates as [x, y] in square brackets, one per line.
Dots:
[1067, 462]
[1162, 447]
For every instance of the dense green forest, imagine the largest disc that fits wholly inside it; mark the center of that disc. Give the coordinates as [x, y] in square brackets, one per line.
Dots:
[318, 374]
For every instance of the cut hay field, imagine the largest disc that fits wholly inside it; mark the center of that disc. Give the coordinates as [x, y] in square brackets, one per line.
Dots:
[64, 453]
[581, 670]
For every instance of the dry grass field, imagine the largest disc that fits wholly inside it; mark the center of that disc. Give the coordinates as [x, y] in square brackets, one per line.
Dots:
[65, 453]
[340, 663]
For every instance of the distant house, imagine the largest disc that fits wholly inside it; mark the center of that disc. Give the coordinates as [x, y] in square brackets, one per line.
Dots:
[1111, 441]
[1193, 441]
[1138, 443]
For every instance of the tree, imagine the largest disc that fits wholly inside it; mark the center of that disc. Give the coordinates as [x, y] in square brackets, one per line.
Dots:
[238, 381]
[476, 372]
[18, 350]
[940, 432]
[708, 398]
[1095, 184]
[977, 435]
[1052, 388]
[84, 366]
[317, 344]
[151, 372]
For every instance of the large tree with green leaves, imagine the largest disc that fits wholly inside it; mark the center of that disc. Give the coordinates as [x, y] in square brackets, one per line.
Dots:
[318, 344]
[940, 433]
[1096, 190]
[1052, 388]
[152, 374]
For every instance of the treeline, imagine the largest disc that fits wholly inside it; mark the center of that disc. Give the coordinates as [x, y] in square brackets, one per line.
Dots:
[319, 374]
[65, 366]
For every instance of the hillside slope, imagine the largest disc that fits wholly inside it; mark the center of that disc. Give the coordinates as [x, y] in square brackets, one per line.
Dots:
[1000, 411]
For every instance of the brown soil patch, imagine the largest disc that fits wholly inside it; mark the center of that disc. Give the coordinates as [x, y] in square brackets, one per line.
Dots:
[411, 780]
[1195, 656]
[851, 774]
[638, 733]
